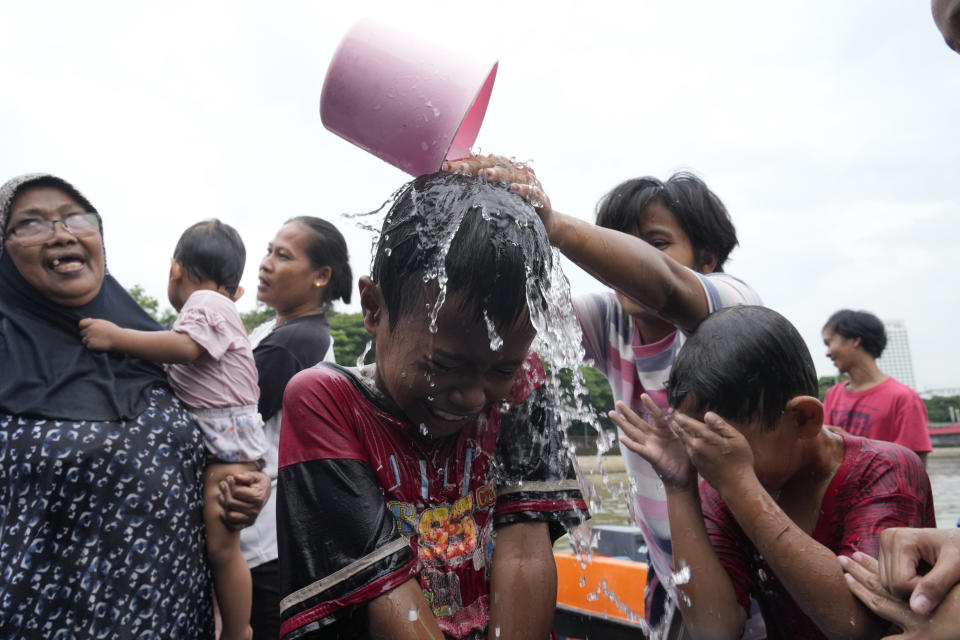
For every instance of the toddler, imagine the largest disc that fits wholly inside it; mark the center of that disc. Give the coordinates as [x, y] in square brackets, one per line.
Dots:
[211, 369]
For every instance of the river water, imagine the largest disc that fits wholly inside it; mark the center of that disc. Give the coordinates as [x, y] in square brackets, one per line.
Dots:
[943, 467]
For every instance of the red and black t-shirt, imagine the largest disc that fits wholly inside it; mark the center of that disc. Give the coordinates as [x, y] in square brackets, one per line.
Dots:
[365, 502]
[878, 485]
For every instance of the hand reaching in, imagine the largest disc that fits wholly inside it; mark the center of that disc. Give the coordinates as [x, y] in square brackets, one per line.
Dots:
[863, 575]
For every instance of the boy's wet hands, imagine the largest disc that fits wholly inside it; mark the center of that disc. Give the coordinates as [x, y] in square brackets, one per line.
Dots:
[717, 450]
[520, 176]
[656, 442]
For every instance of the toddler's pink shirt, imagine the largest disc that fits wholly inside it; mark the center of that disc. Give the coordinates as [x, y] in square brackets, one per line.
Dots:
[225, 375]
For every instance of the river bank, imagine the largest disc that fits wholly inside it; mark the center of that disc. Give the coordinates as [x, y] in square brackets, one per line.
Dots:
[943, 467]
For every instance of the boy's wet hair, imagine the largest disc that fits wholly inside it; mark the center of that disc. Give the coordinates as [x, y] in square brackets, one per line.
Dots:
[212, 250]
[698, 211]
[497, 245]
[327, 248]
[859, 324]
[744, 363]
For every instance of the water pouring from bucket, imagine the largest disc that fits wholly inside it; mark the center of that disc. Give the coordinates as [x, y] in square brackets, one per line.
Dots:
[407, 101]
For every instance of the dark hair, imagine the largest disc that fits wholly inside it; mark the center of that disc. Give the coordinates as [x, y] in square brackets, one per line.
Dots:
[327, 248]
[212, 250]
[744, 363]
[860, 324]
[486, 240]
[698, 211]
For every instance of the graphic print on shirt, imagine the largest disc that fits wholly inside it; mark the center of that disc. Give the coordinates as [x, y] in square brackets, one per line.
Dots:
[445, 537]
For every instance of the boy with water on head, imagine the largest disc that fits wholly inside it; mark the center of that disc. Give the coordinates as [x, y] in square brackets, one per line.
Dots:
[419, 496]
[781, 494]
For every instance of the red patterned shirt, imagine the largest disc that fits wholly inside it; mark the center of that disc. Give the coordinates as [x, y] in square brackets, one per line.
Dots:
[878, 485]
[365, 502]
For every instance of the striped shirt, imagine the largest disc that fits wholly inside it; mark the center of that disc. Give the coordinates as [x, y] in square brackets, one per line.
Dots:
[612, 342]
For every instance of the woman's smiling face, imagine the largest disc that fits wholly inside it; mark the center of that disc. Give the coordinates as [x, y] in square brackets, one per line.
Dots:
[67, 269]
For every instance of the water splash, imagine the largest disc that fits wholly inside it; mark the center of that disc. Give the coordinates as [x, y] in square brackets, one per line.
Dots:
[362, 358]
[558, 340]
[496, 342]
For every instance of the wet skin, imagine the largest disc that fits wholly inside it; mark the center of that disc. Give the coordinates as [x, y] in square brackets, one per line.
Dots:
[442, 380]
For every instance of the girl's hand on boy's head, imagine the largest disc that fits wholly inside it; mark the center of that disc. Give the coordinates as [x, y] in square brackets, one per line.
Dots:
[96, 334]
[863, 578]
[656, 443]
[718, 451]
[519, 175]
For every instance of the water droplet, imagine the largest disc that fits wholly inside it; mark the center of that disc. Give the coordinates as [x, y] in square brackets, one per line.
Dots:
[363, 356]
[496, 342]
[424, 145]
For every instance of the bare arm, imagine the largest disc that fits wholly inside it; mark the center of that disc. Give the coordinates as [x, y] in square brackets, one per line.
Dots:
[403, 614]
[708, 599]
[622, 261]
[523, 583]
[169, 347]
[628, 264]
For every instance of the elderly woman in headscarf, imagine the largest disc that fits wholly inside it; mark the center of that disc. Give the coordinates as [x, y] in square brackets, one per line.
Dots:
[101, 468]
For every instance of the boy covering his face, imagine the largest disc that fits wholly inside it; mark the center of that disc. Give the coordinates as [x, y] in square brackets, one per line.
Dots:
[420, 495]
[781, 496]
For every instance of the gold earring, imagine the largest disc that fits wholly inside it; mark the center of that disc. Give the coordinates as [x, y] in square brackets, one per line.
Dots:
[316, 284]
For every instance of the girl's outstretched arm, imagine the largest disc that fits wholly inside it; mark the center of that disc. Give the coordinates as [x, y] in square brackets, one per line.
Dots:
[168, 347]
[622, 261]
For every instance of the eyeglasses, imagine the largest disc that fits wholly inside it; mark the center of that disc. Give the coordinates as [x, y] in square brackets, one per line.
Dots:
[34, 231]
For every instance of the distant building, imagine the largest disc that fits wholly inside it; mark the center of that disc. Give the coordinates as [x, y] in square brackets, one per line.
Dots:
[896, 360]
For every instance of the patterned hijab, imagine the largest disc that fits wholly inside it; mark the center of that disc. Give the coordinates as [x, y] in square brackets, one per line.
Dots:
[45, 371]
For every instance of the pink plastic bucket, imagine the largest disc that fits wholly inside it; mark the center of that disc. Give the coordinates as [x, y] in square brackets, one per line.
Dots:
[406, 101]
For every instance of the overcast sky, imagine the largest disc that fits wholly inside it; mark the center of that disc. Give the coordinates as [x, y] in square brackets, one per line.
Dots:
[831, 130]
